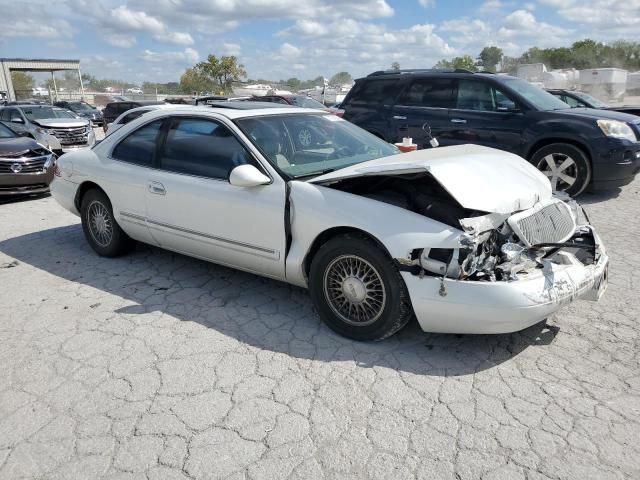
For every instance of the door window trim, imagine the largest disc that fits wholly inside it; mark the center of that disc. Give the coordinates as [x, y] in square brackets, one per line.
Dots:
[164, 131]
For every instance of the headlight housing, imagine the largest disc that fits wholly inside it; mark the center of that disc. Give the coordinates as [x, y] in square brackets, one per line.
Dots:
[617, 129]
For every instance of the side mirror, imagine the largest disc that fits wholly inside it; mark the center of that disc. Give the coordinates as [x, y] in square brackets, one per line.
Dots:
[17, 119]
[247, 176]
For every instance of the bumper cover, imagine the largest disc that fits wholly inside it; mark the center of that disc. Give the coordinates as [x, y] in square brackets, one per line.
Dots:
[501, 307]
[25, 183]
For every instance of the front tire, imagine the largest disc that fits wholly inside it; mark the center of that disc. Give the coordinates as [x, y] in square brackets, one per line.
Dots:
[100, 227]
[566, 166]
[357, 290]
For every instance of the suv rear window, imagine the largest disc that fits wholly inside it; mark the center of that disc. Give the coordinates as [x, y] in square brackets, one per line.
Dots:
[375, 91]
[430, 92]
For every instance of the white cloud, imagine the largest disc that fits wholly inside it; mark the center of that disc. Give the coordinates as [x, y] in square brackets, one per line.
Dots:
[122, 18]
[289, 51]
[188, 57]
[122, 40]
[427, 3]
[612, 18]
[522, 24]
[177, 38]
[231, 49]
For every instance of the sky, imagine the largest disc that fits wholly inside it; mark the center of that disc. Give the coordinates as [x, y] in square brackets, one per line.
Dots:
[155, 40]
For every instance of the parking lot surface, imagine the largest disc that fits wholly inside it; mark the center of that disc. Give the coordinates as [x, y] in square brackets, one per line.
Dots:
[159, 366]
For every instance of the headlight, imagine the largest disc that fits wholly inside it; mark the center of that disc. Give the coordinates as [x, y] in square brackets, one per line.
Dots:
[41, 131]
[617, 129]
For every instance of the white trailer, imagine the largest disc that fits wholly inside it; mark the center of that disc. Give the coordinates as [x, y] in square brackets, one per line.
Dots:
[605, 83]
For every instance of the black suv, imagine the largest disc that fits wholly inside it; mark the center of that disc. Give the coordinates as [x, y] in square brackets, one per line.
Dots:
[113, 110]
[82, 109]
[574, 147]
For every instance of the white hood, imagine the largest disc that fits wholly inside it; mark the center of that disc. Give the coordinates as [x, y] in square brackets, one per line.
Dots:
[479, 178]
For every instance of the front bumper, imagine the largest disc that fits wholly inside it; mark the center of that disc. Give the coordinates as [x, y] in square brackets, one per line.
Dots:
[505, 306]
[615, 163]
[25, 183]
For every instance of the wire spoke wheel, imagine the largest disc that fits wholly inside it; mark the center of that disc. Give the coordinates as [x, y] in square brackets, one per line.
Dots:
[354, 290]
[561, 170]
[304, 137]
[100, 223]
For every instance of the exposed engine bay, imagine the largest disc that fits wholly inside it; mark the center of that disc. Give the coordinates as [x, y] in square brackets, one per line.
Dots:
[495, 247]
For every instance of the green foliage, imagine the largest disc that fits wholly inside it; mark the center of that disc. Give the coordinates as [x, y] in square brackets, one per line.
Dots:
[194, 80]
[215, 73]
[465, 62]
[490, 57]
[395, 66]
[22, 84]
[341, 78]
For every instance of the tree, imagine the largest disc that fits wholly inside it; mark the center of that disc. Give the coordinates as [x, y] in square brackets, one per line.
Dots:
[293, 83]
[341, 78]
[395, 66]
[490, 57]
[194, 80]
[465, 62]
[221, 71]
[22, 84]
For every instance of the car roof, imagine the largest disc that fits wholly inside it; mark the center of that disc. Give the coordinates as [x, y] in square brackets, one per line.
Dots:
[233, 113]
[244, 105]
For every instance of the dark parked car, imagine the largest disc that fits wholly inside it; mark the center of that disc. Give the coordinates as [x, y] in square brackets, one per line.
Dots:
[114, 109]
[26, 167]
[576, 99]
[298, 101]
[82, 109]
[574, 147]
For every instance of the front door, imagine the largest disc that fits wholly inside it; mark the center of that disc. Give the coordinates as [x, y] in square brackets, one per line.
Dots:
[483, 115]
[425, 102]
[192, 207]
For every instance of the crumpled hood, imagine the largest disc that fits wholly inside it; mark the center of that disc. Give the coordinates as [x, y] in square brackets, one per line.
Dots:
[61, 122]
[478, 178]
[18, 145]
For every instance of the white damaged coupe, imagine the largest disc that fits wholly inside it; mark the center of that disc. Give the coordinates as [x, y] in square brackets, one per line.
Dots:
[468, 239]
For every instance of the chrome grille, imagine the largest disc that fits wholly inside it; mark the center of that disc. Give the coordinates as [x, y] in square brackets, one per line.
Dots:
[548, 223]
[70, 136]
[28, 165]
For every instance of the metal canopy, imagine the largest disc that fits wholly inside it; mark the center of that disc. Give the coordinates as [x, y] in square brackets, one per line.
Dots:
[8, 65]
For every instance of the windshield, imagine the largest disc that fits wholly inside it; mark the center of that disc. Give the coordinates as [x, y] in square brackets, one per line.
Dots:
[64, 113]
[593, 101]
[302, 145]
[306, 102]
[539, 98]
[80, 106]
[6, 132]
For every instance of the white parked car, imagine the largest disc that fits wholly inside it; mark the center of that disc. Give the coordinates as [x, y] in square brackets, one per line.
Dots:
[132, 114]
[135, 90]
[467, 238]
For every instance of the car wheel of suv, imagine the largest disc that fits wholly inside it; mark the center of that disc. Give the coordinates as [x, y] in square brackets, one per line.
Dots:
[357, 290]
[566, 166]
[100, 227]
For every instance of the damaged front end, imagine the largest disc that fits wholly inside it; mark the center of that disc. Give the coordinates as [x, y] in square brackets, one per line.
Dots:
[499, 247]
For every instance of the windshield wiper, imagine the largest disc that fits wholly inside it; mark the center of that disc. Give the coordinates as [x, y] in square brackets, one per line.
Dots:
[316, 174]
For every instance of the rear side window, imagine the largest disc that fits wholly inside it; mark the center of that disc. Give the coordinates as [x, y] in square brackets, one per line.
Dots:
[139, 147]
[202, 147]
[375, 92]
[430, 92]
[132, 116]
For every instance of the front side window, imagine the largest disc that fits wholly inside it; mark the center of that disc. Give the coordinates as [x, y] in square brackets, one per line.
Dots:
[302, 145]
[139, 147]
[6, 132]
[202, 147]
[572, 102]
[132, 116]
[430, 92]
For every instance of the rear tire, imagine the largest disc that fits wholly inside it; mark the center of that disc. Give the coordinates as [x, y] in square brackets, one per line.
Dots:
[567, 167]
[100, 227]
[357, 290]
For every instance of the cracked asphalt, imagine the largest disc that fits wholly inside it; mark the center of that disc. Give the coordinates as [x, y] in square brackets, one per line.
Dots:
[158, 366]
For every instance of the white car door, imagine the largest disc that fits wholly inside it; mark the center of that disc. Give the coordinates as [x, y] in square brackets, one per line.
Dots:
[127, 176]
[192, 207]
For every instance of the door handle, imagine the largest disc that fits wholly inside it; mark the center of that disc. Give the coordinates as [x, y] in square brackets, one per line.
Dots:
[458, 120]
[157, 188]
[399, 117]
